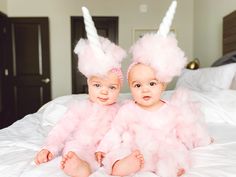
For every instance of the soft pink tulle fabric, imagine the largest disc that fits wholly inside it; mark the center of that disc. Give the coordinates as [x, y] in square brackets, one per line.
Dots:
[81, 129]
[94, 62]
[164, 136]
[161, 53]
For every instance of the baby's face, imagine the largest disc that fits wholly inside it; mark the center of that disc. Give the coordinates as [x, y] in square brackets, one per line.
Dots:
[104, 90]
[145, 88]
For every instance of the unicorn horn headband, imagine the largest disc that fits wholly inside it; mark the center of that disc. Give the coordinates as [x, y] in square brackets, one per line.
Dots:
[92, 34]
[167, 20]
[96, 55]
[160, 50]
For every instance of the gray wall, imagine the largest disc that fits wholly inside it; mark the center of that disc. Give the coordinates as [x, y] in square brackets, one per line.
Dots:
[3, 6]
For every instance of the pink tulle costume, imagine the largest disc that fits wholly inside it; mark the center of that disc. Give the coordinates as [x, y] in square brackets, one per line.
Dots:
[86, 122]
[164, 136]
[79, 130]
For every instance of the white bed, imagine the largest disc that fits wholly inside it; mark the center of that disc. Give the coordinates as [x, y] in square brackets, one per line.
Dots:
[20, 142]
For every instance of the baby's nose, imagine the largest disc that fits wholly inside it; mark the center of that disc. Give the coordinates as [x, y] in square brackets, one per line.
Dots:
[145, 88]
[104, 91]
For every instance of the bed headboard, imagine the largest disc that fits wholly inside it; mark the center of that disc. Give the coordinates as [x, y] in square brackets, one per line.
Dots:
[229, 33]
[229, 40]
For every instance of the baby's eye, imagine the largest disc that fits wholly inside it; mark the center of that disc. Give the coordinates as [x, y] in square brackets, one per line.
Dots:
[96, 85]
[137, 85]
[153, 83]
[112, 87]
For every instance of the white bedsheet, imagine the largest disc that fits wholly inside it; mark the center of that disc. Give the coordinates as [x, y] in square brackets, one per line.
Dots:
[20, 142]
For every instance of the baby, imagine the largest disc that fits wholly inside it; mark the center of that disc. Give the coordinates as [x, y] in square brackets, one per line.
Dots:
[151, 134]
[80, 130]
[148, 133]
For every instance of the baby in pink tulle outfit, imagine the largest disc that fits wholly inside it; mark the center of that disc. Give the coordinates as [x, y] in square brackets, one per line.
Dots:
[151, 134]
[148, 133]
[80, 130]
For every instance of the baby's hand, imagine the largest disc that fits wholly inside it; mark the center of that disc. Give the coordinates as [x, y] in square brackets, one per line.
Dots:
[181, 171]
[212, 140]
[43, 156]
[99, 157]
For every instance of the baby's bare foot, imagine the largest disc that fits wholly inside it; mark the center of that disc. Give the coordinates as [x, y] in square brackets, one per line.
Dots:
[128, 165]
[73, 166]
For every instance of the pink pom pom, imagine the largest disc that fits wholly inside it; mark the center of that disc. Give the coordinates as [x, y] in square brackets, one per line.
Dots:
[95, 61]
[160, 53]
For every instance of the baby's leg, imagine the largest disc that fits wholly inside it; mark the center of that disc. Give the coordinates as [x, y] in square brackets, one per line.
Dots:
[128, 165]
[73, 166]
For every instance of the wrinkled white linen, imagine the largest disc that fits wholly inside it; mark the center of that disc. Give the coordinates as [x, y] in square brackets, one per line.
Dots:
[20, 142]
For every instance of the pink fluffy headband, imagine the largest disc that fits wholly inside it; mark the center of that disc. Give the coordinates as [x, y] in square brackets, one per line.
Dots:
[97, 55]
[160, 50]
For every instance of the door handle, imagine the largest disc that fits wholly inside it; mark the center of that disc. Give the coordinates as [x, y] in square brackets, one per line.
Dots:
[47, 80]
[6, 72]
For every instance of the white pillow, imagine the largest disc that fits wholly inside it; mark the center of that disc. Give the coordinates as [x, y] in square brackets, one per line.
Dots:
[207, 79]
[55, 109]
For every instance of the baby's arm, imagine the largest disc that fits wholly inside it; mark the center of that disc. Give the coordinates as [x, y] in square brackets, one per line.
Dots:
[43, 156]
[190, 126]
[58, 135]
[112, 138]
[192, 129]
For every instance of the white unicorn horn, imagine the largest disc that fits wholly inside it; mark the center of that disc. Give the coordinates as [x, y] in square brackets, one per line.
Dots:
[91, 31]
[167, 20]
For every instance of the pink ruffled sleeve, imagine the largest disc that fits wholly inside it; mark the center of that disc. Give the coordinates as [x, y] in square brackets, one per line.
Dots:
[191, 128]
[58, 135]
[112, 139]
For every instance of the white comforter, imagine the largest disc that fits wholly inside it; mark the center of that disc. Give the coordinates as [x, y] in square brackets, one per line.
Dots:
[20, 142]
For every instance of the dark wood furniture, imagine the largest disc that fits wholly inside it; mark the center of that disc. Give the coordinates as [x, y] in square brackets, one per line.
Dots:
[229, 33]
[229, 40]
[6, 99]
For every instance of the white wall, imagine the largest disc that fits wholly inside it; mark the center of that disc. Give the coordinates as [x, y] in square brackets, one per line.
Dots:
[59, 12]
[3, 6]
[208, 25]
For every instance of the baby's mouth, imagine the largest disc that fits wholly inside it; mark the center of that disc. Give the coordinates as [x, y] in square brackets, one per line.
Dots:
[103, 99]
[146, 98]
